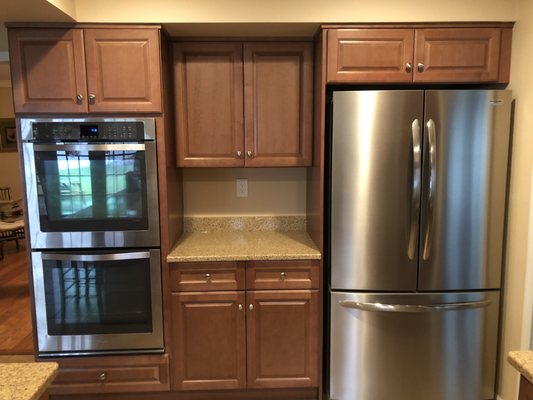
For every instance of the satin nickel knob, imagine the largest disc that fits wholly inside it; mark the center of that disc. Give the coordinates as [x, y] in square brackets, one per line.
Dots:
[240, 307]
[250, 154]
[251, 307]
[79, 98]
[421, 67]
[92, 98]
[102, 377]
[239, 154]
[408, 67]
[207, 277]
[282, 276]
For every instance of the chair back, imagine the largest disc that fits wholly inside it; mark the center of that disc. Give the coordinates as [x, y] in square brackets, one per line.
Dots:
[5, 193]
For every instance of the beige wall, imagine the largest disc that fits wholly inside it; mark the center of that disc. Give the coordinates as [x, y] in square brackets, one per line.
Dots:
[9, 163]
[522, 86]
[271, 191]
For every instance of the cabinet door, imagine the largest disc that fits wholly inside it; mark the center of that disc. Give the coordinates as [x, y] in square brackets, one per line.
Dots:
[47, 67]
[457, 55]
[123, 70]
[370, 55]
[278, 99]
[208, 89]
[208, 331]
[282, 338]
[526, 389]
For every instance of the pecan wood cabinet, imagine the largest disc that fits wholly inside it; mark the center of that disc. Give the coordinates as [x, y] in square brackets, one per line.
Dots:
[419, 55]
[243, 104]
[96, 70]
[240, 325]
[526, 389]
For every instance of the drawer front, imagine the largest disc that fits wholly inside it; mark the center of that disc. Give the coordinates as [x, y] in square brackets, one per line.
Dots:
[111, 379]
[264, 275]
[215, 276]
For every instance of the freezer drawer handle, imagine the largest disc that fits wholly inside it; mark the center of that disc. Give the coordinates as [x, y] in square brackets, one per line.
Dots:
[413, 308]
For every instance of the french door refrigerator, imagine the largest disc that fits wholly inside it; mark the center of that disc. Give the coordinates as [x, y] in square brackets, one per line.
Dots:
[416, 215]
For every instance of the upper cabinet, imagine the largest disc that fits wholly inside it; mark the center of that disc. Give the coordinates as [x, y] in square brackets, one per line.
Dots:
[97, 70]
[243, 104]
[409, 55]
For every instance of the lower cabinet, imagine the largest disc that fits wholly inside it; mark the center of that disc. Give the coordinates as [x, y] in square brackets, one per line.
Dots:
[526, 389]
[247, 338]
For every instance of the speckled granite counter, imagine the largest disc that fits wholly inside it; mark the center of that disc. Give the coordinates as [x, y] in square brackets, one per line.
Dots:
[523, 362]
[240, 246]
[25, 381]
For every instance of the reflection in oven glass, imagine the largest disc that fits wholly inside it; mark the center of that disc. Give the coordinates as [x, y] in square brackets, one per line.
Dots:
[91, 186]
[97, 298]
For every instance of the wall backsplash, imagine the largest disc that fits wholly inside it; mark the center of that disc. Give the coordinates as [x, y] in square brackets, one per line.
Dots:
[271, 191]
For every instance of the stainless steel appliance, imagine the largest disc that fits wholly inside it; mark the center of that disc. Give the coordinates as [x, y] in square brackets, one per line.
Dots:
[98, 302]
[91, 182]
[417, 206]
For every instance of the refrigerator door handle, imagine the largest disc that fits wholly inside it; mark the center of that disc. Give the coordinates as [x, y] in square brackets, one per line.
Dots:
[415, 202]
[432, 149]
[413, 308]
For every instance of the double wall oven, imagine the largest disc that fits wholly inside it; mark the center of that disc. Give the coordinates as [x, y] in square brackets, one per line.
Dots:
[91, 188]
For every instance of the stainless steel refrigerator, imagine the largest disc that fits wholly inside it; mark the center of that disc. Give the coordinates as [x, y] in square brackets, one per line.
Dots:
[416, 214]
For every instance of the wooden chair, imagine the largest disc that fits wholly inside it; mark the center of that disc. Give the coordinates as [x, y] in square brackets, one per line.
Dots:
[11, 221]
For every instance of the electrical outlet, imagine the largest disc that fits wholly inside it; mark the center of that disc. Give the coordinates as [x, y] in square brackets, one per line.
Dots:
[242, 187]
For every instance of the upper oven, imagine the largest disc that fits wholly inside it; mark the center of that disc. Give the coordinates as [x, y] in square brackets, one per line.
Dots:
[91, 182]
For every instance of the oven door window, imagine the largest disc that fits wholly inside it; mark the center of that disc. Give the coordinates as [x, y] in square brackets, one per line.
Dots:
[83, 189]
[97, 297]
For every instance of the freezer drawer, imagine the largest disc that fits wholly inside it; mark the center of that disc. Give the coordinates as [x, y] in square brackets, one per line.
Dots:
[413, 347]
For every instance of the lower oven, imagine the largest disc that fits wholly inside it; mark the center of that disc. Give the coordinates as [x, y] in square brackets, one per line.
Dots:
[95, 302]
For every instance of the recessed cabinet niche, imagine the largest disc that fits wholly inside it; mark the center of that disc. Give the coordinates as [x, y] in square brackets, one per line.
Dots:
[243, 104]
[419, 55]
[85, 70]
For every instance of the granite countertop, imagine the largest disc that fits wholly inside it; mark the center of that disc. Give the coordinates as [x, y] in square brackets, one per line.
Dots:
[523, 362]
[241, 246]
[25, 381]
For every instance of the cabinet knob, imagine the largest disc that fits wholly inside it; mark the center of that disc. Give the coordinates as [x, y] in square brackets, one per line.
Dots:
[239, 154]
[79, 98]
[421, 67]
[250, 154]
[92, 98]
[408, 67]
[240, 307]
[282, 276]
[207, 277]
[102, 377]
[251, 307]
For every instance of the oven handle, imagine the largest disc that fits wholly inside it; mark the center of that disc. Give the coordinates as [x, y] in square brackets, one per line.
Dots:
[96, 257]
[89, 147]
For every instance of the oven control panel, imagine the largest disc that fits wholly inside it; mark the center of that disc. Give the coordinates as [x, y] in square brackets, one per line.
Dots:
[122, 131]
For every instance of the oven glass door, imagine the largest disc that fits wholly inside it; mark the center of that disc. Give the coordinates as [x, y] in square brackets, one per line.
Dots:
[98, 301]
[92, 188]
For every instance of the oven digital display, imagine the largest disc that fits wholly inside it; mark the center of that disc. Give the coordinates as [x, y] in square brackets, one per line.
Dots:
[89, 131]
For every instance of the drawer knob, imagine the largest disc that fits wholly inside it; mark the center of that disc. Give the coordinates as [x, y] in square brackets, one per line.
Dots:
[92, 98]
[102, 377]
[250, 154]
[208, 277]
[408, 67]
[282, 276]
[421, 67]
[240, 307]
[239, 154]
[79, 98]
[251, 307]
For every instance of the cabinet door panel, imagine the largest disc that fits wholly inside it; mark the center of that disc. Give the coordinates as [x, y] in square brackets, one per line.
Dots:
[278, 103]
[370, 55]
[123, 70]
[457, 55]
[209, 340]
[282, 332]
[47, 67]
[209, 104]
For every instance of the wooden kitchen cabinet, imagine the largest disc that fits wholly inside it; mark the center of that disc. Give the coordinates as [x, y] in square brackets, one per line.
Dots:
[238, 339]
[479, 54]
[526, 389]
[85, 70]
[243, 104]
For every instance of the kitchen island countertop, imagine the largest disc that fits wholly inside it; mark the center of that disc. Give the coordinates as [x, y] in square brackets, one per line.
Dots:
[523, 362]
[242, 246]
[26, 381]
